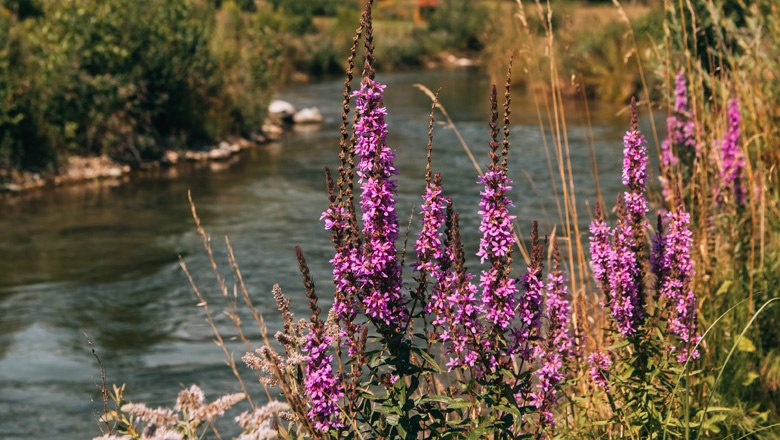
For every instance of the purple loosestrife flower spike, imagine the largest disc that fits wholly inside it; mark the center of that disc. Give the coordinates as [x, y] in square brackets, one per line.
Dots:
[495, 245]
[430, 251]
[557, 347]
[635, 172]
[732, 160]
[681, 136]
[627, 275]
[323, 388]
[530, 303]
[624, 279]
[379, 272]
[599, 369]
[601, 253]
[338, 220]
[454, 303]
[674, 269]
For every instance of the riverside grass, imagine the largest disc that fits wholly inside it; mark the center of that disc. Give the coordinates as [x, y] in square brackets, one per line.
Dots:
[463, 369]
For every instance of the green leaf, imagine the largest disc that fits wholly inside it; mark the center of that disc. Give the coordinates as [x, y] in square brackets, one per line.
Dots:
[724, 287]
[431, 361]
[746, 345]
[751, 377]
[620, 344]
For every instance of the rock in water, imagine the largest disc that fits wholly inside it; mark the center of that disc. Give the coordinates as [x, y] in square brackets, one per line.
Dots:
[310, 115]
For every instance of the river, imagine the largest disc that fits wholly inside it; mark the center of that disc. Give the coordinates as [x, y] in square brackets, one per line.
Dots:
[101, 261]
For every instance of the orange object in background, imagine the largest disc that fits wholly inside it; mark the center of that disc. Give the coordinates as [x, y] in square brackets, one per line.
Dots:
[424, 10]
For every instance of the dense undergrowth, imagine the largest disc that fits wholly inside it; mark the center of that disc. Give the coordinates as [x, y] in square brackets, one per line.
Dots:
[129, 80]
[658, 322]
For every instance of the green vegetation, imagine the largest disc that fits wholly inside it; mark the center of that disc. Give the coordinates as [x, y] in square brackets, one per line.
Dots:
[127, 78]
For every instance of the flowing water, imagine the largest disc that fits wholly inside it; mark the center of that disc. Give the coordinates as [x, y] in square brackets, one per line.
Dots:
[101, 261]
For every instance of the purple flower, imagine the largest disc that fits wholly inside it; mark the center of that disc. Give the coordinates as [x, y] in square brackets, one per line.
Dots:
[457, 312]
[345, 305]
[681, 136]
[498, 290]
[323, 389]
[530, 306]
[673, 266]
[625, 278]
[599, 369]
[732, 160]
[496, 225]
[635, 173]
[557, 345]
[429, 244]
[378, 270]
[601, 250]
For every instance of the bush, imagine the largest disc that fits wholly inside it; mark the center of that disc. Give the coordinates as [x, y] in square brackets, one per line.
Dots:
[128, 78]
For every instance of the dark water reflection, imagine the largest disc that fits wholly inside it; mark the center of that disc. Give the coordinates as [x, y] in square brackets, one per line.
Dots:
[103, 260]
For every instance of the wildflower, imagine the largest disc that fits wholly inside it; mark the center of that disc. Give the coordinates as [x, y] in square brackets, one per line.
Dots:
[458, 310]
[495, 245]
[635, 170]
[429, 245]
[155, 416]
[732, 160]
[625, 298]
[557, 345]
[258, 422]
[600, 250]
[674, 268]
[379, 272]
[681, 136]
[626, 276]
[190, 399]
[323, 388]
[530, 303]
[347, 257]
[217, 408]
[599, 369]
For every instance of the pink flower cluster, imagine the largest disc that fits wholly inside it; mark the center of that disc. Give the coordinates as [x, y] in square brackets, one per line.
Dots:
[616, 252]
[681, 128]
[558, 345]
[673, 266]
[732, 160]
[323, 388]
[499, 291]
[378, 270]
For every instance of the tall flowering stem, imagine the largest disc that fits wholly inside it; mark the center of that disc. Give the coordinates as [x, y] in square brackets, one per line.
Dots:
[338, 220]
[601, 251]
[681, 136]
[680, 146]
[458, 311]
[429, 245]
[629, 234]
[378, 269]
[732, 160]
[558, 345]
[674, 269]
[529, 308]
[625, 298]
[498, 289]
[323, 388]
